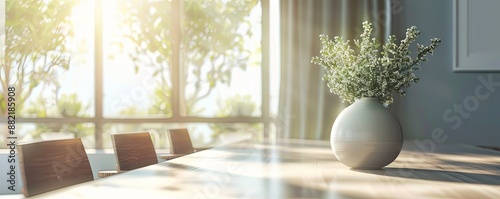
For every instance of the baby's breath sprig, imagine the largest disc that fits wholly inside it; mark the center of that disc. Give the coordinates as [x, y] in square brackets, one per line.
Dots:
[370, 73]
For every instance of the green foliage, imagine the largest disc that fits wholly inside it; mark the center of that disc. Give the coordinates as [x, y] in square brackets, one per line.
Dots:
[237, 106]
[368, 72]
[162, 102]
[210, 40]
[210, 43]
[35, 36]
[67, 106]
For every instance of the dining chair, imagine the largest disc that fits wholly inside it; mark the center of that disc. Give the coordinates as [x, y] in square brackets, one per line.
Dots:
[132, 151]
[54, 164]
[180, 144]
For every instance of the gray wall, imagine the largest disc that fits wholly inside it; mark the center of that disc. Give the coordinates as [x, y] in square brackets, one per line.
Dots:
[440, 89]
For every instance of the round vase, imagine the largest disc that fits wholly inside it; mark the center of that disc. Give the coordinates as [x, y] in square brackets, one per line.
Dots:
[366, 135]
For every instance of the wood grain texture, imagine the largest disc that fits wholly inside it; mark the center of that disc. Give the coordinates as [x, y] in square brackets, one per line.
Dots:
[304, 169]
[133, 150]
[51, 165]
[180, 142]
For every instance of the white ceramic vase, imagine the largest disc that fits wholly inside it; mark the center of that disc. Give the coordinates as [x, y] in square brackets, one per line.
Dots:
[366, 135]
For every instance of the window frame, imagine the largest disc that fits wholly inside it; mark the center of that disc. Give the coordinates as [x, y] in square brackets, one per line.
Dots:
[99, 120]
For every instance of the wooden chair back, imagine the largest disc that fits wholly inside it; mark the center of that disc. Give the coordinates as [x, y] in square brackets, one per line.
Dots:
[133, 150]
[180, 142]
[54, 164]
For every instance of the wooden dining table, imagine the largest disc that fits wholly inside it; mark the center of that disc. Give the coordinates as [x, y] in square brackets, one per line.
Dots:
[303, 169]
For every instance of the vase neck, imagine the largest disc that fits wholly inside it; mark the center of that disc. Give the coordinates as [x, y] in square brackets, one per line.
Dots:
[371, 99]
[367, 99]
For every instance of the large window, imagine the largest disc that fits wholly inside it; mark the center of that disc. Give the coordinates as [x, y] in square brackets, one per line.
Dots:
[90, 68]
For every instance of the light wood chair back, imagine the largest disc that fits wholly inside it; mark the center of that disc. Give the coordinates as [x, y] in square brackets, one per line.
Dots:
[180, 142]
[133, 150]
[54, 164]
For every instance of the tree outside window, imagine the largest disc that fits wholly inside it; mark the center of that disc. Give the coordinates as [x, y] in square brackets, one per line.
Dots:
[193, 51]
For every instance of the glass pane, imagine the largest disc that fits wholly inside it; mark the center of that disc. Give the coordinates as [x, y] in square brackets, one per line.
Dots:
[221, 133]
[137, 52]
[202, 134]
[49, 53]
[157, 131]
[29, 132]
[221, 57]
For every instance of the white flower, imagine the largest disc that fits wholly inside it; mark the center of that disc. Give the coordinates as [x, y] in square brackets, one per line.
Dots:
[370, 73]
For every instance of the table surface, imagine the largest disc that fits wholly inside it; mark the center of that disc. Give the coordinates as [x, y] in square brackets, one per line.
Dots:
[303, 169]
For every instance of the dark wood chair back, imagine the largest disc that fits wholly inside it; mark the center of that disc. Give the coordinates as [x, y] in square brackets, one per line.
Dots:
[180, 142]
[133, 150]
[54, 164]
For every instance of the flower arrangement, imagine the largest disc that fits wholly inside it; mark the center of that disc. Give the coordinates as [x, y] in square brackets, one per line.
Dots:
[367, 72]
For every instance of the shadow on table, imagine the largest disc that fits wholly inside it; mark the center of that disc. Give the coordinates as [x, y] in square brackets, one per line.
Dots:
[208, 183]
[436, 175]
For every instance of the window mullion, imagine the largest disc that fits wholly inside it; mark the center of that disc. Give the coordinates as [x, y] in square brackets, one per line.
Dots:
[175, 66]
[98, 61]
[265, 66]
